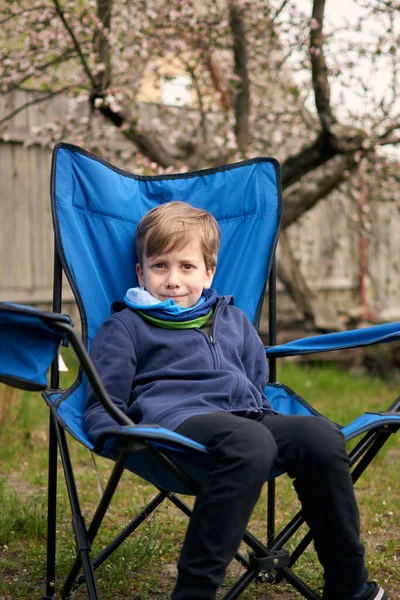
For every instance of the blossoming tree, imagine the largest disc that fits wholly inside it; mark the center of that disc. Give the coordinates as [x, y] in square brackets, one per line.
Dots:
[242, 58]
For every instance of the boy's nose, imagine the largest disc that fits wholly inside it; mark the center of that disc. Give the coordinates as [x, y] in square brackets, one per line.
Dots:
[172, 280]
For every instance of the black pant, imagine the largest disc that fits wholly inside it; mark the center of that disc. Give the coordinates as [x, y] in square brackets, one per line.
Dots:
[312, 451]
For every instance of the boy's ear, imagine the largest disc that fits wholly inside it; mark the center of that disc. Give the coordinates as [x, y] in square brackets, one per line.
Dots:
[209, 277]
[139, 274]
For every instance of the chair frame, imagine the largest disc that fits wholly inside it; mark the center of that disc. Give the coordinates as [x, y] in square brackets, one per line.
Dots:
[268, 562]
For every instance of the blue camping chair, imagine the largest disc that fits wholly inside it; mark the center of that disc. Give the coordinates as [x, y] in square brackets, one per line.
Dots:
[96, 208]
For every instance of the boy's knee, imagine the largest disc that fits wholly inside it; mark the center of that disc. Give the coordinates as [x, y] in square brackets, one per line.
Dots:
[260, 458]
[250, 449]
[323, 442]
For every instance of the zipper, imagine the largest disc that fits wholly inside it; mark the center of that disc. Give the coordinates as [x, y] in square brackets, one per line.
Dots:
[211, 339]
[212, 345]
[212, 334]
[214, 352]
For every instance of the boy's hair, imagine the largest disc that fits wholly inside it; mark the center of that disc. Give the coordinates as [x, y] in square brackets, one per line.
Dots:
[173, 225]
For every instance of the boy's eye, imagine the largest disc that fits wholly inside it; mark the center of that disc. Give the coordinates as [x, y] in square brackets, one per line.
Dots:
[158, 266]
[187, 267]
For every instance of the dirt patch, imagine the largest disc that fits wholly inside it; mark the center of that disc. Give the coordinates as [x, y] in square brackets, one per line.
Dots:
[16, 482]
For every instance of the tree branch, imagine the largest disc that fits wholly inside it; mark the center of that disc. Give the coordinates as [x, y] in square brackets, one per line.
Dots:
[24, 11]
[298, 200]
[306, 194]
[290, 275]
[389, 131]
[33, 102]
[318, 67]
[150, 146]
[76, 44]
[279, 10]
[104, 8]
[341, 140]
[203, 120]
[242, 96]
[389, 141]
[39, 68]
[217, 81]
[335, 139]
[146, 143]
[212, 68]
[322, 314]
[310, 157]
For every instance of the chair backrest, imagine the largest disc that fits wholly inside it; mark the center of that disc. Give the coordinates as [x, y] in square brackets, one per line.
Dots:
[96, 208]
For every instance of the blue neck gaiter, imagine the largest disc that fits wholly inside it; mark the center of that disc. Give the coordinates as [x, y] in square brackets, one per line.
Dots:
[139, 299]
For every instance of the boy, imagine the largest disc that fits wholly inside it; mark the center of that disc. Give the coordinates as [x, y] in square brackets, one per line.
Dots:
[183, 357]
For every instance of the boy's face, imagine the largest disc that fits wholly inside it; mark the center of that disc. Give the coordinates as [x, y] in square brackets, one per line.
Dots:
[180, 274]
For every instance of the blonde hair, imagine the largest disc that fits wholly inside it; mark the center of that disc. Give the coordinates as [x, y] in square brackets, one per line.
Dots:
[172, 225]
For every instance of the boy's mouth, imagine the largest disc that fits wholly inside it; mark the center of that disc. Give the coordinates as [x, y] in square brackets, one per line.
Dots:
[168, 296]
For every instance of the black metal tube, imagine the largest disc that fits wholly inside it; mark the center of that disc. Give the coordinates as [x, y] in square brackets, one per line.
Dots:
[255, 544]
[107, 495]
[68, 472]
[301, 546]
[96, 383]
[57, 303]
[272, 319]
[76, 511]
[362, 446]
[123, 535]
[271, 501]
[291, 528]
[271, 487]
[370, 455]
[97, 519]
[51, 512]
[297, 583]
[120, 417]
[52, 467]
[240, 585]
[89, 576]
[179, 503]
[395, 407]
[57, 284]
[187, 481]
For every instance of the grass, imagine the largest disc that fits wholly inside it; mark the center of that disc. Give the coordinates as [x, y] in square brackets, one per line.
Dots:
[144, 566]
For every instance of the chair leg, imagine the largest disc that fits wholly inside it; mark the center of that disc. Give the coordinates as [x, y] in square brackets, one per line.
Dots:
[271, 511]
[370, 454]
[97, 519]
[51, 512]
[118, 540]
[89, 575]
[240, 585]
[179, 503]
[298, 584]
[78, 523]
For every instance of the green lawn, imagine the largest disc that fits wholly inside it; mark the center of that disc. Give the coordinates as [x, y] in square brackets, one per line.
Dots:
[144, 566]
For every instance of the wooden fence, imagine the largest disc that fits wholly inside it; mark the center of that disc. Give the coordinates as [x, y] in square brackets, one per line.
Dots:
[327, 243]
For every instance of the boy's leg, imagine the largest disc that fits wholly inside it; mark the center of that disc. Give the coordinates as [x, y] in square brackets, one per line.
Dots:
[312, 451]
[243, 453]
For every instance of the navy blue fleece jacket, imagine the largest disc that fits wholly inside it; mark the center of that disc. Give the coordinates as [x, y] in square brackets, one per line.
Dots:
[164, 376]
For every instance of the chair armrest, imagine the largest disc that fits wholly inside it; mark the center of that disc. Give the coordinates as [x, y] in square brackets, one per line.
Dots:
[151, 433]
[29, 342]
[31, 317]
[354, 338]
